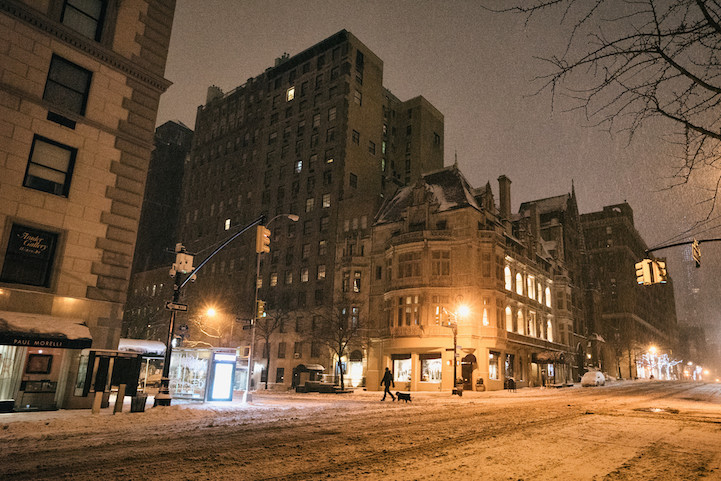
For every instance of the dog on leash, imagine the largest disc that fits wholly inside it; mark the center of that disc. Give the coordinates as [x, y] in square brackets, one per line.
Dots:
[403, 396]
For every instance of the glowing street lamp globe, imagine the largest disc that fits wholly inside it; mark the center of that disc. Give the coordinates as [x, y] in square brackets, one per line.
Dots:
[463, 311]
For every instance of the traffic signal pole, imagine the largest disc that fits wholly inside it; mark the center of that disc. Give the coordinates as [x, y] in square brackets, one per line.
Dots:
[163, 398]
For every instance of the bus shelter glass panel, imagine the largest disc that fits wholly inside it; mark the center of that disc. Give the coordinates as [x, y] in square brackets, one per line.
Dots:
[189, 373]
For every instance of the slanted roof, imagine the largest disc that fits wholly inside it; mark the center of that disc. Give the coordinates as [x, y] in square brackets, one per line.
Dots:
[447, 187]
[557, 203]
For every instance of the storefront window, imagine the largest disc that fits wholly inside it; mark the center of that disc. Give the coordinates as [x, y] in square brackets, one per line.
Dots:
[509, 365]
[402, 368]
[493, 357]
[431, 367]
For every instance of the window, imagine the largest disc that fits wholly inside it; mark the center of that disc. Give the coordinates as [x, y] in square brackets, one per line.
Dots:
[321, 272]
[519, 283]
[436, 139]
[273, 279]
[314, 349]
[304, 274]
[290, 94]
[358, 97]
[330, 134]
[486, 321]
[327, 177]
[356, 281]
[509, 278]
[520, 322]
[326, 201]
[372, 147]
[409, 265]
[84, 16]
[288, 278]
[227, 224]
[29, 256]
[329, 156]
[50, 166]
[324, 222]
[67, 85]
[322, 248]
[493, 358]
[309, 204]
[280, 375]
[272, 138]
[509, 319]
[307, 227]
[548, 296]
[531, 287]
[305, 251]
[549, 330]
[401, 367]
[431, 367]
[281, 350]
[353, 181]
[441, 263]
[356, 137]
[331, 114]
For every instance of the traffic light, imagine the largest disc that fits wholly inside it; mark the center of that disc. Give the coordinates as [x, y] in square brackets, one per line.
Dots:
[262, 239]
[643, 272]
[696, 253]
[660, 275]
[260, 312]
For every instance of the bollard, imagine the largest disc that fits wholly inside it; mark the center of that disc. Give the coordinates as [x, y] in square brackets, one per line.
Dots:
[97, 401]
[120, 399]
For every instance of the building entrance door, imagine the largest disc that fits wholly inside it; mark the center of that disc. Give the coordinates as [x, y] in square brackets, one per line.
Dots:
[467, 365]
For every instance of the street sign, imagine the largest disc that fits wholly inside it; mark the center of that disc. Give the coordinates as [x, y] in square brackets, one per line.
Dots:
[175, 306]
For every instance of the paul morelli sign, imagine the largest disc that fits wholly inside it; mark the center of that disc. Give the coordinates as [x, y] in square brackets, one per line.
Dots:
[27, 339]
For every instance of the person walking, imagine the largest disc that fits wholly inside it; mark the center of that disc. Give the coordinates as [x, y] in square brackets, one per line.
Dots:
[387, 381]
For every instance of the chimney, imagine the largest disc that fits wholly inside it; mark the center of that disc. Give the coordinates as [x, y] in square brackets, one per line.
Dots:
[504, 195]
[214, 92]
[535, 221]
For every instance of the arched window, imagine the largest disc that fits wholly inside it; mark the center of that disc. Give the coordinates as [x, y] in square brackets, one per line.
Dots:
[549, 330]
[519, 283]
[520, 322]
[509, 279]
[548, 296]
[509, 319]
[485, 317]
[531, 287]
[531, 324]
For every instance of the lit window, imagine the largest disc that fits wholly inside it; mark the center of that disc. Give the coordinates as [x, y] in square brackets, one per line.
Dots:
[326, 201]
[290, 94]
[227, 224]
[50, 166]
[519, 322]
[298, 166]
[321, 272]
[309, 204]
[509, 319]
[493, 364]
[273, 279]
[519, 284]
[288, 277]
[531, 287]
[304, 274]
[548, 296]
[549, 331]
[486, 322]
[509, 278]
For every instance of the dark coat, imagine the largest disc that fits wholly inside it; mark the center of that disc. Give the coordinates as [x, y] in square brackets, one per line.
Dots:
[387, 379]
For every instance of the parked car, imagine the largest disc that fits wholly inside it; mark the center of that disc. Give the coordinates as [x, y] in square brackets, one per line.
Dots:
[593, 378]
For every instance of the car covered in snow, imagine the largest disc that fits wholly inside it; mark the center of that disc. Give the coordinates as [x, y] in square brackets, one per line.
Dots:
[593, 378]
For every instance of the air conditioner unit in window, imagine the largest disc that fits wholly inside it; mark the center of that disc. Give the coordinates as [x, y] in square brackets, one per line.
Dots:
[296, 355]
[246, 351]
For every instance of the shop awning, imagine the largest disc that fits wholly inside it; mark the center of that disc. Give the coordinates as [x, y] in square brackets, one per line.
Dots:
[314, 367]
[550, 357]
[142, 346]
[37, 330]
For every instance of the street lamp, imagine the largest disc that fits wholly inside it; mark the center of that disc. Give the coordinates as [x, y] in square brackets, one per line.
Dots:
[461, 311]
[292, 218]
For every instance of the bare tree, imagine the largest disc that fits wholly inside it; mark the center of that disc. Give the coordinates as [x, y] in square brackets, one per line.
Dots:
[337, 327]
[630, 61]
[265, 327]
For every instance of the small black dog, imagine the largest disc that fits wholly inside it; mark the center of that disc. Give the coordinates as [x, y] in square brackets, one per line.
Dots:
[403, 396]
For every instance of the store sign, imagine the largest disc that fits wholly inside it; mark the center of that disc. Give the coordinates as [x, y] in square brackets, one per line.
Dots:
[23, 339]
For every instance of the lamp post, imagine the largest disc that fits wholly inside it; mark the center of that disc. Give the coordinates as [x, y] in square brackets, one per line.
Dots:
[184, 264]
[293, 218]
[461, 311]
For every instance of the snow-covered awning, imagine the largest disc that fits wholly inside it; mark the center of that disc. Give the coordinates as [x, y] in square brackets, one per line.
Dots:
[37, 330]
[309, 367]
[550, 357]
[142, 346]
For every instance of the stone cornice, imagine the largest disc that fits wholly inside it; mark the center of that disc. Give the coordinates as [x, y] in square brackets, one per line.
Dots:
[85, 45]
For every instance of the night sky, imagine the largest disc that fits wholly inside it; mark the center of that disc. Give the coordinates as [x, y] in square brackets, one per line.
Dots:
[478, 69]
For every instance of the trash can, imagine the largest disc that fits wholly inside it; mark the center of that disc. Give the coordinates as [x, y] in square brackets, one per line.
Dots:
[137, 403]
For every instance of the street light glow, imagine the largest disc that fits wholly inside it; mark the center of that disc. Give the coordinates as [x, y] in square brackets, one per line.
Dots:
[652, 349]
[211, 312]
[463, 311]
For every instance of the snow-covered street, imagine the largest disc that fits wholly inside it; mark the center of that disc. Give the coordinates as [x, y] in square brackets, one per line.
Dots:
[626, 430]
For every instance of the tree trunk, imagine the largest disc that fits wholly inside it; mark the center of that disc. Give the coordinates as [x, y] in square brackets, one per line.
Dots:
[340, 370]
[267, 371]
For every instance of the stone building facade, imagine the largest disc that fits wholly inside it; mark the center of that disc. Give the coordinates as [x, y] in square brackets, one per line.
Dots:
[79, 89]
[440, 247]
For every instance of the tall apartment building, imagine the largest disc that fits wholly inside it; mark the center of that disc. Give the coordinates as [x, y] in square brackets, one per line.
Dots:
[439, 246]
[80, 83]
[315, 135]
[150, 287]
[633, 317]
